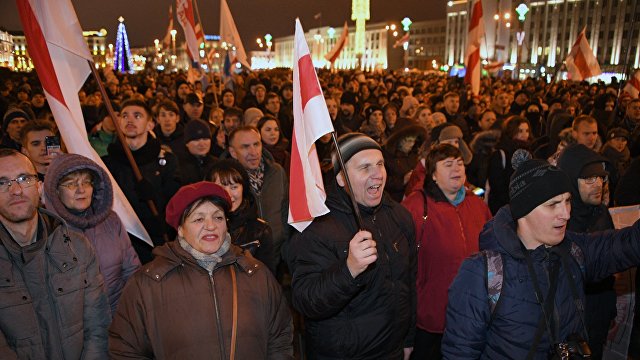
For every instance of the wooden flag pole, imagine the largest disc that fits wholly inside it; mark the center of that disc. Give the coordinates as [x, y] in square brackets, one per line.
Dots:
[354, 203]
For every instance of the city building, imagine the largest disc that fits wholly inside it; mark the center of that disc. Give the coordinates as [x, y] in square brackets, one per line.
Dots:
[6, 49]
[21, 59]
[384, 48]
[97, 43]
[536, 36]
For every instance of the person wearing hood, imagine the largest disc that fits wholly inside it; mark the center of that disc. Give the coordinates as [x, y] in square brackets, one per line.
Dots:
[195, 158]
[401, 157]
[80, 192]
[536, 259]
[201, 297]
[588, 175]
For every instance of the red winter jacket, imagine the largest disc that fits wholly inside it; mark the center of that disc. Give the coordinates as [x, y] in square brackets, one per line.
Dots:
[450, 234]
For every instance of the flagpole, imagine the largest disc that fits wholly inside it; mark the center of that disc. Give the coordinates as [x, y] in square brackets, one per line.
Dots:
[627, 66]
[136, 170]
[354, 203]
[206, 56]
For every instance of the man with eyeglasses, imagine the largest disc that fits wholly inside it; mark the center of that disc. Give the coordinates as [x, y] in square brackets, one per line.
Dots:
[53, 304]
[587, 171]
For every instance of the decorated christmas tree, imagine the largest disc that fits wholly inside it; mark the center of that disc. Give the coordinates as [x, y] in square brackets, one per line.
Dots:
[123, 61]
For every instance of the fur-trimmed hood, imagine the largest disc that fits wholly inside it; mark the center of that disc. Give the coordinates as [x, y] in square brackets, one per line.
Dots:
[484, 142]
[102, 199]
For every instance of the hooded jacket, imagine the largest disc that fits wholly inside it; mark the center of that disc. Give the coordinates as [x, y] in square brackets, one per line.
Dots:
[102, 227]
[53, 304]
[171, 309]
[373, 315]
[473, 332]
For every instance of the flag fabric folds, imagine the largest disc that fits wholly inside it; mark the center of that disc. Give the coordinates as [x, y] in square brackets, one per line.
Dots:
[229, 34]
[632, 87]
[184, 10]
[166, 42]
[332, 55]
[581, 62]
[61, 58]
[311, 121]
[401, 41]
[472, 59]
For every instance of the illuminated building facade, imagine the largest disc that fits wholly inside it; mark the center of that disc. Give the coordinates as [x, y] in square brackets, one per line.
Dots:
[548, 32]
[6, 49]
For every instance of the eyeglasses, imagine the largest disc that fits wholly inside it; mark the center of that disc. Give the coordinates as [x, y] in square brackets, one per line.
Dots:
[24, 181]
[73, 186]
[592, 180]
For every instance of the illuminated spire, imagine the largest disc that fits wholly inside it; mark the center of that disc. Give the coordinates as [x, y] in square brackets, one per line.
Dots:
[123, 61]
[360, 13]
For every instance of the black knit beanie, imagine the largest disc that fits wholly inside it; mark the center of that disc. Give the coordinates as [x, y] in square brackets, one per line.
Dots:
[351, 144]
[533, 183]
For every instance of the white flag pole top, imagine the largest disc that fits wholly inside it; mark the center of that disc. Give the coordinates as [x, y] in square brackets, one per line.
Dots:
[229, 33]
[61, 58]
[311, 121]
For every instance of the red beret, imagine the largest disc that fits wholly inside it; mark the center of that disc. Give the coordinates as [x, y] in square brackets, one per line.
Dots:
[188, 194]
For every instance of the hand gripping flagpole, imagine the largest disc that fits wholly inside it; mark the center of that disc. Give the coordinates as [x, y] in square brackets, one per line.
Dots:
[354, 203]
[136, 170]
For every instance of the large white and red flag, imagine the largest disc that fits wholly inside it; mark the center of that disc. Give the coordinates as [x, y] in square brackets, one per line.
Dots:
[184, 10]
[402, 40]
[61, 58]
[581, 63]
[632, 87]
[342, 42]
[310, 121]
[229, 34]
[472, 58]
[166, 42]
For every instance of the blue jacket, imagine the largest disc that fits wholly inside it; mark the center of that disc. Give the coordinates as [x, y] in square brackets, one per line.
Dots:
[472, 333]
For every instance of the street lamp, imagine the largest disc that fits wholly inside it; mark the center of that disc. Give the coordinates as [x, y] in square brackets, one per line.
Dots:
[406, 23]
[268, 38]
[173, 33]
[332, 32]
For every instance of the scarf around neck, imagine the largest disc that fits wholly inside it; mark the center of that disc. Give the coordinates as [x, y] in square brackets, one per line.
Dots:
[207, 261]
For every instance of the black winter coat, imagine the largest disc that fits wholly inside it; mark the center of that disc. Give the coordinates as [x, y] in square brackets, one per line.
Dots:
[253, 234]
[373, 315]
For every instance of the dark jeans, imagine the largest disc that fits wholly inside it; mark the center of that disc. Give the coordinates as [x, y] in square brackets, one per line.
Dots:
[426, 346]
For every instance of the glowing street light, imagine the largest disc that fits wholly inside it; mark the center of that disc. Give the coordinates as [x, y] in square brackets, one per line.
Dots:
[332, 32]
[522, 11]
[406, 22]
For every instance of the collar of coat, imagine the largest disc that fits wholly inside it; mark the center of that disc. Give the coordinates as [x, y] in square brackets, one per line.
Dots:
[171, 256]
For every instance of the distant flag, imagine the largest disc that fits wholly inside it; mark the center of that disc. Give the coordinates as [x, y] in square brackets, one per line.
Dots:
[199, 33]
[633, 85]
[311, 121]
[494, 67]
[229, 34]
[317, 16]
[184, 10]
[472, 59]
[581, 63]
[61, 58]
[166, 42]
[226, 70]
[332, 55]
[401, 41]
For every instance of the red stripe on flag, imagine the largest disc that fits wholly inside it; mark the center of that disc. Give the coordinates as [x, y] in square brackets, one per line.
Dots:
[474, 61]
[298, 194]
[635, 83]
[338, 50]
[308, 87]
[581, 63]
[476, 15]
[39, 51]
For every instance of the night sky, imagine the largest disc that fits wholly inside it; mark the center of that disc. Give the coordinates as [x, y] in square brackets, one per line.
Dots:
[147, 20]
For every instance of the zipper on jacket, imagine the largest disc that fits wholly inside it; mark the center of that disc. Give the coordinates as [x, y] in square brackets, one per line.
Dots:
[212, 281]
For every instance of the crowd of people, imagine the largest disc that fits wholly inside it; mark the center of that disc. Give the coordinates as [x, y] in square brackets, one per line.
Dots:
[446, 186]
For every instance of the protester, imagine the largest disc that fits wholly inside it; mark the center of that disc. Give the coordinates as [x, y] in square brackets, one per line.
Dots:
[79, 191]
[273, 141]
[201, 296]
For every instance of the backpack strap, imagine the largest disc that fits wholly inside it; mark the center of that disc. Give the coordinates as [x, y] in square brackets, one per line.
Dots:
[495, 277]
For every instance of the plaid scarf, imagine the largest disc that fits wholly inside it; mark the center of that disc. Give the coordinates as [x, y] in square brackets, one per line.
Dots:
[256, 178]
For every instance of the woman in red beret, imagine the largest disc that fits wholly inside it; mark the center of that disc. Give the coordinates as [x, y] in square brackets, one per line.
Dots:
[201, 297]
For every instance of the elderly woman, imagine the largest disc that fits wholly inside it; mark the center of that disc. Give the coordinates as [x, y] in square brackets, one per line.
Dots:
[80, 192]
[448, 220]
[201, 297]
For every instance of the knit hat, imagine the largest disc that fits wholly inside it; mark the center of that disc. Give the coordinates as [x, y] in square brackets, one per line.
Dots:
[533, 183]
[370, 110]
[618, 132]
[349, 97]
[192, 98]
[449, 131]
[196, 129]
[188, 194]
[351, 144]
[11, 114]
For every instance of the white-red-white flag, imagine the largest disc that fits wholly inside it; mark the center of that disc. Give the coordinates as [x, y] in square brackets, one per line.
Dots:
[166, 42]
[472, 58]
[60, 56]
[342, 42]
[581, 63]
[401, 41]
[310, 121]
[229, 34]
[184, 10]
[632, 87]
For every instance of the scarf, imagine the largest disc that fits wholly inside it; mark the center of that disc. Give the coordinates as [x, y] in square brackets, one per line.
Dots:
[256, 178]
[207, 261]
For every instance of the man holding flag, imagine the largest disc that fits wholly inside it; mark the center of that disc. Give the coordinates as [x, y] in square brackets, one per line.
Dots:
[353, 278]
